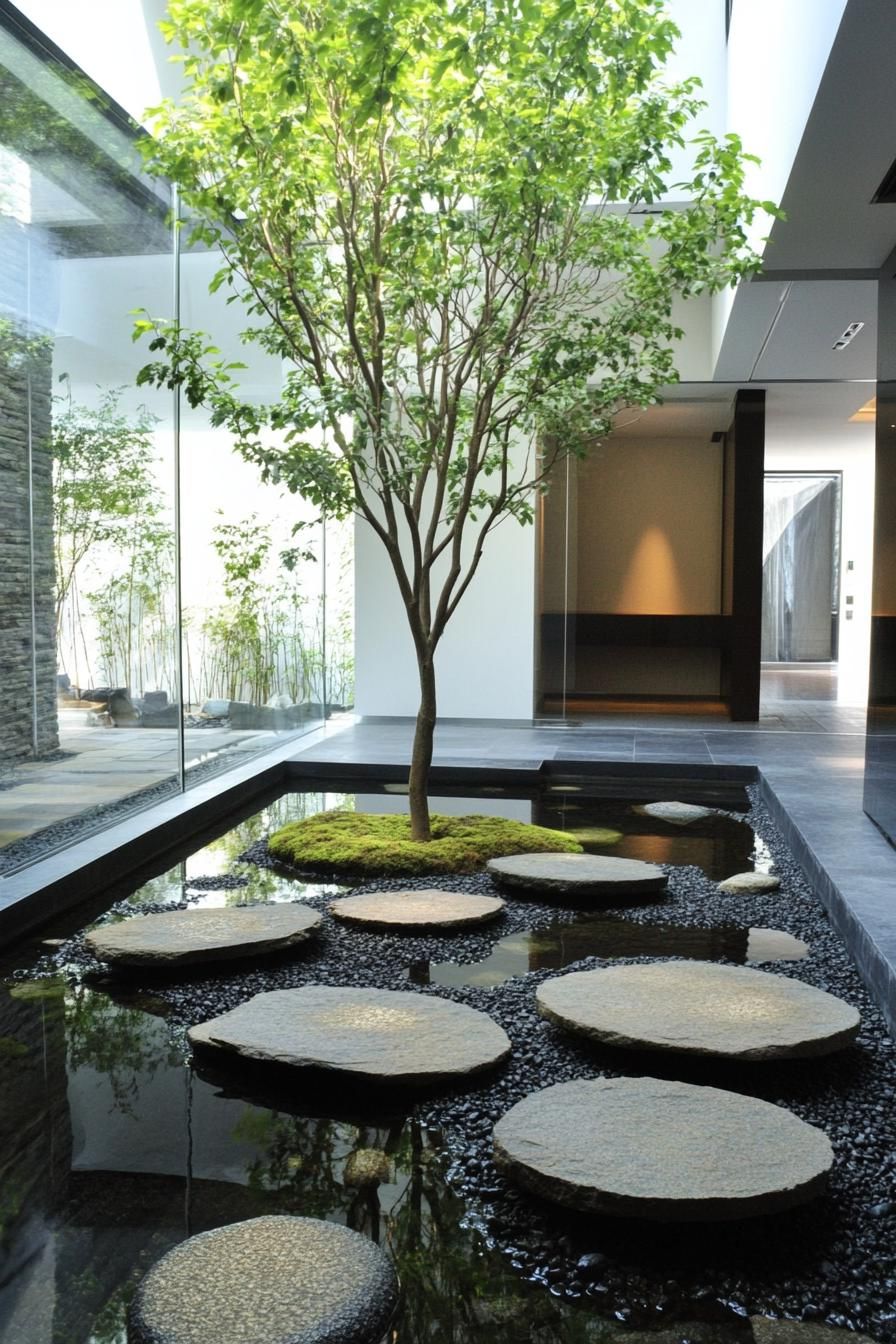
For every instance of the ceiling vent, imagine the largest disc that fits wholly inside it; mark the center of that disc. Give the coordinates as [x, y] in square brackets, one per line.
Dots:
[848, 335]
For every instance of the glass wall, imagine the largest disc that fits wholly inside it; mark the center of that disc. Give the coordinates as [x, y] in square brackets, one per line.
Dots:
[638, 556]
[149, 632]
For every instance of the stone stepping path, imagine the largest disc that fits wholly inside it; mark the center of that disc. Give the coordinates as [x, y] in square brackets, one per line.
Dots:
[750, 884]
[427, 909]
[579, 875]
[677, 814]
[272, 1280]
[661, 1150]
[700, 1008]
[382, 1035]
[184, 937]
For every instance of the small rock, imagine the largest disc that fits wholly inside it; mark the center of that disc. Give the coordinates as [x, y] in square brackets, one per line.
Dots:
[677, 814]
[750, 884]
[366, 1167]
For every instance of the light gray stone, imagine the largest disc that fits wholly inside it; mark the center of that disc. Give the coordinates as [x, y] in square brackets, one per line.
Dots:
[677, 814]
[747, 884]
[699, 1008]
[273, 1280]
[380, 1034]
[662, 1150]
[766, 1330]
[774, 945]
[418, 909]
[584, 875]
[183, 937]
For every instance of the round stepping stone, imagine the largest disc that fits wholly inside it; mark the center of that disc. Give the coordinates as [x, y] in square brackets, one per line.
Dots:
[384, 1035]
[274, 1280]
[677, 814]
[182, 937]
[747, 884]
[701, 1009]
[417, 909]
[774, 945]
[584, 875]
[662, 1150]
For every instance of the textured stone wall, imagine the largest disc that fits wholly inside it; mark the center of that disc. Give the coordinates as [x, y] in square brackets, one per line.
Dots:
[25, 408]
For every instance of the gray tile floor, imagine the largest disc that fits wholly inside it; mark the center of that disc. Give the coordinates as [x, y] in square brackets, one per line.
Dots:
[811, 758]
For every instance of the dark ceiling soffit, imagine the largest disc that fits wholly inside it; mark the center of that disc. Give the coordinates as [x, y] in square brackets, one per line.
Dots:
[833, 273]
[886, 192]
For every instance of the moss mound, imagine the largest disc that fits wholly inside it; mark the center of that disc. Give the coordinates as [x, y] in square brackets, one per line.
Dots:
[381, 846]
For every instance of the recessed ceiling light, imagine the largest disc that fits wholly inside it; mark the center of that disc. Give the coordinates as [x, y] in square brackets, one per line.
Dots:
[848, 335]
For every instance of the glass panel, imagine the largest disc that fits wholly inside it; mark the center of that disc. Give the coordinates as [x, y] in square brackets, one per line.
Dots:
[631, 551]
[253, 633]
[87, 599]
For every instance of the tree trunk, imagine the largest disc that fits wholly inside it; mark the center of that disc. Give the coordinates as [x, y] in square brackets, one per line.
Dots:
[421, 753]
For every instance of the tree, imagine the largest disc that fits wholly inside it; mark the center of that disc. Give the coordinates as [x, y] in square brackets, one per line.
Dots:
[427, 208]
[104, 492]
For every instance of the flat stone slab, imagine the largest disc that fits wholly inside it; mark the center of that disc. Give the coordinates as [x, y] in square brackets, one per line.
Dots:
[383, 1035]
[578, 874]
[182, 937]
[699, 1008]
[766, 1330]
[677, 814]
[418, 909]
[747, 884]
[273, 1280]
[662, 1150]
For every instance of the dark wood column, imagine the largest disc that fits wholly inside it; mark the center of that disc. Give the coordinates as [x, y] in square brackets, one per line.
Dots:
[747, 448]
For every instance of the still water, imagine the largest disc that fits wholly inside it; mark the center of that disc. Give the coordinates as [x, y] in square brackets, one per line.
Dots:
[114, 1149]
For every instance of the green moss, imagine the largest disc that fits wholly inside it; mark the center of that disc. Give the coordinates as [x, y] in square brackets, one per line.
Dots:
[374, 845]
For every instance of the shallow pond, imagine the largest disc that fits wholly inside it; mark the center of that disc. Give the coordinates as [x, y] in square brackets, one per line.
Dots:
[115, 1148]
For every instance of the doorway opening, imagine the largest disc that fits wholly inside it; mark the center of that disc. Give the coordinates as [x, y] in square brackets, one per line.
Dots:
[801, 585]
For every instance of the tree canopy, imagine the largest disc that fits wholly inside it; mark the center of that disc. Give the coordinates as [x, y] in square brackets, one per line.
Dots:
[450, 219]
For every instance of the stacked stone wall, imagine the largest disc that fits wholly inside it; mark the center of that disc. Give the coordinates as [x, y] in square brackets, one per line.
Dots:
[25, 413]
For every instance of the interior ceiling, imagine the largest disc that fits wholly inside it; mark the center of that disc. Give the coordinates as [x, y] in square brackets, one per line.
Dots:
[698, 410]
[831, 227]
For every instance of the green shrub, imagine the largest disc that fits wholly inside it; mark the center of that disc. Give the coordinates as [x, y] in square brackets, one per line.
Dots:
[380, 846]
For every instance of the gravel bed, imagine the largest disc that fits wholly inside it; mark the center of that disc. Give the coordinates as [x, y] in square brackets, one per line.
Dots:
[833, 1261]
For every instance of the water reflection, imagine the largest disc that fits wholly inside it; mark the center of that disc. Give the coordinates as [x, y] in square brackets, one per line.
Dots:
[560, 944]
[117, 1151]
[719, 844]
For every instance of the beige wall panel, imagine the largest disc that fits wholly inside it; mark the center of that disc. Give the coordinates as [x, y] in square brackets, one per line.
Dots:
[650, 528]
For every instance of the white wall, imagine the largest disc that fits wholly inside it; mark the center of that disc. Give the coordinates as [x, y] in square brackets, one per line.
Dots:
[809, 430]
[484, 665]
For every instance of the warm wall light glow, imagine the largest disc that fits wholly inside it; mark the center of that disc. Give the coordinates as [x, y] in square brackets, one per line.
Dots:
[865, 414]
[652, 582]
